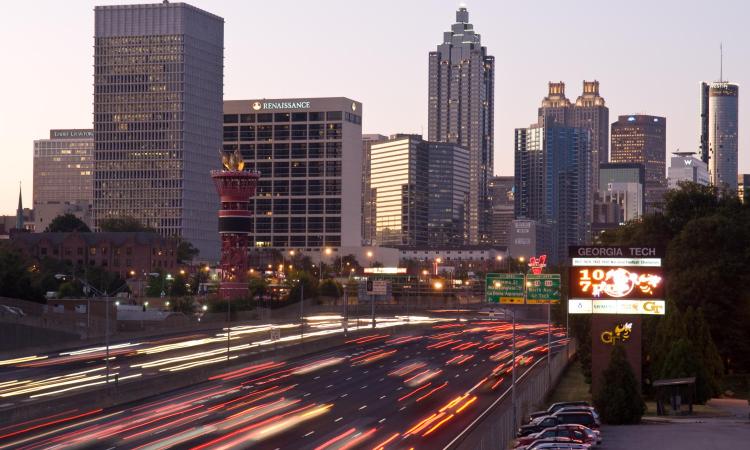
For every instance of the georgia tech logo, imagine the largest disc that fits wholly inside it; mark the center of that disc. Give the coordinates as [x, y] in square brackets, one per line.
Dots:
[620, 333]
[257, 106]
[653, 307]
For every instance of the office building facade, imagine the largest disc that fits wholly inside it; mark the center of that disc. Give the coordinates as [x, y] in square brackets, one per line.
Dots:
[642, 139]
[502, 198]
[720, 120]
[685, 166]
[63, 175]
[552, 176]
[158, 81]
[589, 112]
[399, 181]
[308, 152]
[447, 194]
[368, 204]
[624, 185]
[461, 111]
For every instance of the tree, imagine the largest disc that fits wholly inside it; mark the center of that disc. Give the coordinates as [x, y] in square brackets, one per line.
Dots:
[302, 280]
[18, 276]
[257, 287]
[619, 400]
[330, 288]
[67, 223]
[185, 251]
[121, 224]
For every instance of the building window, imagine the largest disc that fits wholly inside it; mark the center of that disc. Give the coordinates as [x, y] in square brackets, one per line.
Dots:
[92, 251]
[333, 115]
[230, 118]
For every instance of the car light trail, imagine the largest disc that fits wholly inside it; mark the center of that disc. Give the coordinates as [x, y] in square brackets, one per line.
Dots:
[10, 362]
[414, 392]
[336, 439]
[438, 425]
[381, 446]
[432, 391]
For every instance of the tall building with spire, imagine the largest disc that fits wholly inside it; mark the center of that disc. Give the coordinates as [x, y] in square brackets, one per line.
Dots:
[589, 112]
[461, 111]
[719, 132]
[19, 210]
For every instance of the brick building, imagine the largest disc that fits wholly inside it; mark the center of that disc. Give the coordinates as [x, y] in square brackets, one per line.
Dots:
[121, 252]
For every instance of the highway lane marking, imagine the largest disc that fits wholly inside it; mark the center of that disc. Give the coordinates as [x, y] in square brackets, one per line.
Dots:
[381, 397]
[365, 372]
[343, 395]
[364, 387]
[338, 419]
[381, 379]
[306, 394]
[329, 386]
[402, 408]
[381, 420]
[399, 388]
[362, 407]
[348, 378]
[308, 434]
[336, 371]
[456, 376]
[316, 377]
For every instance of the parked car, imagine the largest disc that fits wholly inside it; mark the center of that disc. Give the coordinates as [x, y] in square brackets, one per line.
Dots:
[576, 433]
[554, 407]
[11, 311]
[581, 418]
[556, 442]
[591, 409]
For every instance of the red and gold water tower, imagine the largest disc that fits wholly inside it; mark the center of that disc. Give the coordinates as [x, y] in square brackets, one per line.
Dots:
[235, 188]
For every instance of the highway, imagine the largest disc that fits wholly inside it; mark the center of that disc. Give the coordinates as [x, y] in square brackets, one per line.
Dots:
[32, 377]
[384, 390]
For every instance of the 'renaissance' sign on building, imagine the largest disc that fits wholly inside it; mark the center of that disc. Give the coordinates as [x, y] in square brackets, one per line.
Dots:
[616, 280]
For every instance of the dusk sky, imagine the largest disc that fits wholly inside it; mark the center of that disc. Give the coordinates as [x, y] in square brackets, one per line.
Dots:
[649, 56]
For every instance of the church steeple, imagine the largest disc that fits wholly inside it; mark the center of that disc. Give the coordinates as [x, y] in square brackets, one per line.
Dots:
[19, 211]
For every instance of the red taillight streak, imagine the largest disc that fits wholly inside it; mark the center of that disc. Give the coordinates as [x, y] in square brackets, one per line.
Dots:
[249, 427]
[335, 439]
[357, 440]
[433, 391]
[52, 422]
[414, 391]
[246, 371]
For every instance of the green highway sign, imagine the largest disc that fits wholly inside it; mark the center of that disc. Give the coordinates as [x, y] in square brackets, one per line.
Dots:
[543, 288]
[504, 288]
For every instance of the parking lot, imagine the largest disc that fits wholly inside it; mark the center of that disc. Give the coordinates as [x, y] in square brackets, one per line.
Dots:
[707, 434]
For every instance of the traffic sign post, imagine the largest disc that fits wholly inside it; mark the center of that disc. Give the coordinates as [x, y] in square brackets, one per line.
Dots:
[504, 288]
[543, 288]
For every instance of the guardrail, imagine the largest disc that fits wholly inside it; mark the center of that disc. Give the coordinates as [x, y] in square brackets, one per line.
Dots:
[495, 427]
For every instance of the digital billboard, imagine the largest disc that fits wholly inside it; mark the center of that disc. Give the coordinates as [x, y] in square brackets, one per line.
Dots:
[639, 283]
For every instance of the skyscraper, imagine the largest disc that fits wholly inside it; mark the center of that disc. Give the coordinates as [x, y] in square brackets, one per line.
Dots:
[643, 139]
[63, 176]
[552, 176]
[461, 111]
[589, 112]
[158, 74]
[501, 191]
[719, 126]
[399, 180]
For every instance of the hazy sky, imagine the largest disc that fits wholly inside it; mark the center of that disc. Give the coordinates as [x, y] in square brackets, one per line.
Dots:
[649, 55]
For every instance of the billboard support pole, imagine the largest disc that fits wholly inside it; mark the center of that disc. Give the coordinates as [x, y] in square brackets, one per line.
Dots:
[513, 366]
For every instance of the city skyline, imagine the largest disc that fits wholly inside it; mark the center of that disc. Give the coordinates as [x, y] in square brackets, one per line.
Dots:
[660, 74]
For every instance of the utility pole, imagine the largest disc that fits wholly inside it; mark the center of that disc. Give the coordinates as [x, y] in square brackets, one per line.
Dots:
[106, 333]
[229, 324]
[302, 309]
[513, 362]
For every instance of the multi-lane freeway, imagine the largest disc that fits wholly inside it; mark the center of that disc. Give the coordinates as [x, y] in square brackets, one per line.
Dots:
[387, 389]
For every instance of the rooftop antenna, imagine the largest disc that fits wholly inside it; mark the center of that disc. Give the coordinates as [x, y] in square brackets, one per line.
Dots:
[721, 61]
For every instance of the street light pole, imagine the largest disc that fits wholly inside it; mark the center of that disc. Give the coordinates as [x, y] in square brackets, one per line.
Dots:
[513, 367]
[229, 324]
[106, 333]
[302, 309]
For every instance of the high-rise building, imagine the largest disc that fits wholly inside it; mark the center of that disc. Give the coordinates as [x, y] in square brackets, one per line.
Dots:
[719, 132]
[461, 111]
[552, 177]
[684, 166]
[308, 152]
[628, 177]
[399, 182]
[589, 112]
[501, 191]
[158, 80]
[63, 175]
[368, 204]
[448, 194]
[642, 139]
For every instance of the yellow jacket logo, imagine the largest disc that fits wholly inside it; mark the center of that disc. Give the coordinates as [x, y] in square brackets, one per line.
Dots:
[620, 333]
